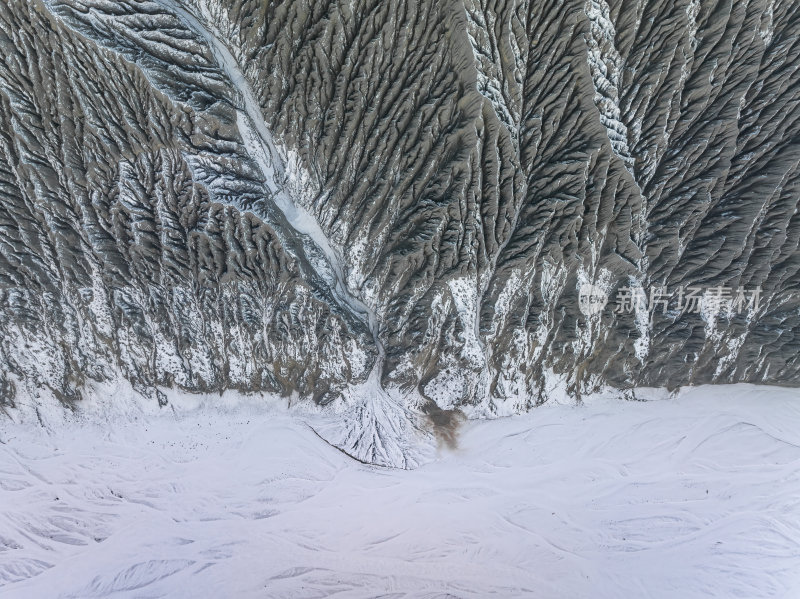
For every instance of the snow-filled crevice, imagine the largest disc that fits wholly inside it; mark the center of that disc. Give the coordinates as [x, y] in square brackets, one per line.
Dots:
[486, 52]
[260, 145]
[605, 66]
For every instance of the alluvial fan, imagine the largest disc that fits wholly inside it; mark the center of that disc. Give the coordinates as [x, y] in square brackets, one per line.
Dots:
[398, 206]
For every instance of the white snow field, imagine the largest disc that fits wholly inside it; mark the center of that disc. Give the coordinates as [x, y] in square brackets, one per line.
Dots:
[692, 496]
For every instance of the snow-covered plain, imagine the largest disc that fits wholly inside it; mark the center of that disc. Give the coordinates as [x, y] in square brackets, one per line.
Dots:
[693, 496]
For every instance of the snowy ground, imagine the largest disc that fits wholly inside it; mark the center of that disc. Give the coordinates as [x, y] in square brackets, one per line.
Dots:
[697, 496]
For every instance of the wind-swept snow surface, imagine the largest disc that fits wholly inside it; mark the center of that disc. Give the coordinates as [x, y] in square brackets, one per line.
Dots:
[697, 496]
